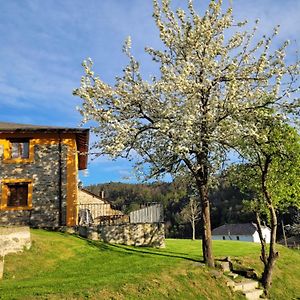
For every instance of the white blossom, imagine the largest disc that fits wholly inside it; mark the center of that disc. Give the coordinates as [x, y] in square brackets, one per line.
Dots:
[211, 91]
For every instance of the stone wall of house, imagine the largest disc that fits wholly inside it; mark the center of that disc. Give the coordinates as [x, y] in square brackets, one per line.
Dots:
[14, 239]
[44, 173]
[146, 234]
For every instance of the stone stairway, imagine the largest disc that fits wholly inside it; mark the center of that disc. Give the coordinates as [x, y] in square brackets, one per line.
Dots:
[248, 287]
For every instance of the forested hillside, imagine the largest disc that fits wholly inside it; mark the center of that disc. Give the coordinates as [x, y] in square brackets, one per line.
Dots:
[226, 202]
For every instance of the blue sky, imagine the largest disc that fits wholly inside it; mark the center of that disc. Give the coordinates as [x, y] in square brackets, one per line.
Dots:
[44, 42]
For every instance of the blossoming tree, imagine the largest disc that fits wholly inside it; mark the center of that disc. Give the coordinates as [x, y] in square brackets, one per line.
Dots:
[213, 73]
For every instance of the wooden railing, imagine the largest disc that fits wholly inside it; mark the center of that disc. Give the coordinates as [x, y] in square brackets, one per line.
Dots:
[102, 213]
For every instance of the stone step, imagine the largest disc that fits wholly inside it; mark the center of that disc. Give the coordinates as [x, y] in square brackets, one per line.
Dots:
[245, 286]
[254, 294]
[232, 275]
[230, 283]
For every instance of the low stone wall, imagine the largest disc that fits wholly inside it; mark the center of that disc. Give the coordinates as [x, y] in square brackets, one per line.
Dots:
[142, 234]
[14, 239]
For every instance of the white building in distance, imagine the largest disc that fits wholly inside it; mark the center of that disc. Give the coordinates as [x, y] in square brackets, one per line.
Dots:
[246, 232]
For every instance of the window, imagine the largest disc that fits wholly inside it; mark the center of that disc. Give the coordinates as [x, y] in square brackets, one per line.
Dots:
[19, 148]
[16, 194]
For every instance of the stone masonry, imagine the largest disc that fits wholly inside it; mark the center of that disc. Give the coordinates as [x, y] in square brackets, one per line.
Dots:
[142, 234]
[44, 173]
[14, 239]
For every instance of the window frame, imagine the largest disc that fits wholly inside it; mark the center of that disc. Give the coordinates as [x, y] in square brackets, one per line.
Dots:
[5, 194]
[21, 151]
[7, 157]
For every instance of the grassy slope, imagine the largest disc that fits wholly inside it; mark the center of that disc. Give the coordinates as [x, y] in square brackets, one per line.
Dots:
[60, 266]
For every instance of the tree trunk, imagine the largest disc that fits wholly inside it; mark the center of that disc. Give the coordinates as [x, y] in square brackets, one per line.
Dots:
[193, 229]
[273, 255]
[201, 175]
[263, 244]
[206, 233]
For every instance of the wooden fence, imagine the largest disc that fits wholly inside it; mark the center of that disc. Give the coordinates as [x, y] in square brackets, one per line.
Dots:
[101, 213]
[152, 213]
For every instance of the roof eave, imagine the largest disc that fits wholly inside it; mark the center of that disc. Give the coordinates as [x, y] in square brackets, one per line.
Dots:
[82, 141]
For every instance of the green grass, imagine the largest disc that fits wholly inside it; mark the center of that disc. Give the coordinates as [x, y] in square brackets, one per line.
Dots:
[61, 266]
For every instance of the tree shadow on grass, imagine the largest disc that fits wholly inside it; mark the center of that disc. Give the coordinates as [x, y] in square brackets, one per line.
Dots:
[142, 251]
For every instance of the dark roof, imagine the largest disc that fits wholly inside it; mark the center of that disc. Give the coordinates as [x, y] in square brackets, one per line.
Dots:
[235, 229]
[16, 127]
[82, 136]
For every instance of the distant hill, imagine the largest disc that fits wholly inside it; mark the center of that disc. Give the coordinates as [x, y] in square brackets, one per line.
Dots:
[226, 202]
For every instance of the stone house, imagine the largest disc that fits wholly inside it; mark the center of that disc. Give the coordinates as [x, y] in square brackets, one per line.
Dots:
[246, 232]
[38, 174]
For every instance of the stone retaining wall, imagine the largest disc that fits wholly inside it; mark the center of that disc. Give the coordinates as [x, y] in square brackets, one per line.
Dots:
[14, 239]
[146, 234]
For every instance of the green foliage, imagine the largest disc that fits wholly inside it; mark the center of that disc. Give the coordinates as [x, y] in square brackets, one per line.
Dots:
[291, 222]
[226, 201]
[272, 173]
[173, 196]
[124, 194]
[285, 174]
[276, 160]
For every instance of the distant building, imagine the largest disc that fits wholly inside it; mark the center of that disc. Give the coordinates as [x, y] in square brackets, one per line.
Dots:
[246, 232]
[38, 174]
[95, 209]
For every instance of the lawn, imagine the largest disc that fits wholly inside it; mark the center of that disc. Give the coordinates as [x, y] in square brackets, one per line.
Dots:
[62, 266]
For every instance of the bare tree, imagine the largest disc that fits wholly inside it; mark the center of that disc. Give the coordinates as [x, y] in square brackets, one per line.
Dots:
[192, 213]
